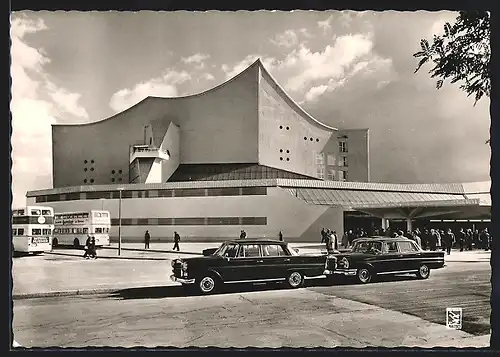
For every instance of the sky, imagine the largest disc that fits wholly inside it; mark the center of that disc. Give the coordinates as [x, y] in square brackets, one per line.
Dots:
[347, 69]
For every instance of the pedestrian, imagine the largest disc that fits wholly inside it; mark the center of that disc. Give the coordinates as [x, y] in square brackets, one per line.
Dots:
[327, 240]
[87, 245]
[485, 239]
[177, 239]
[335, 241]
[469, 239]
[462, 238]
[280, 235]
[243, 234]
[91, 250]
[147, 238]
[323, 235]
[448, 239]
[417, 239]
[433, 240]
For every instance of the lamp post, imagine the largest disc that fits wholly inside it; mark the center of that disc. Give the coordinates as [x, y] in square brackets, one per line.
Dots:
[102, 203]
[120, 222]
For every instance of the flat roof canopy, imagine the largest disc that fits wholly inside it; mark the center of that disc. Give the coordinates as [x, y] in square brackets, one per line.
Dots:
[452, 209]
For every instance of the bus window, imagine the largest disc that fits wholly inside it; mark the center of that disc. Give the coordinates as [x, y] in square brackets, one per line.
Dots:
[74, 231]
[36, 232]
[85, 215]
[14, 232]
[85, 230]
[98, 230]
[47, 232]
[104, 214]
[46, 212]
[20, 231]
[35, 212]
[97, 214]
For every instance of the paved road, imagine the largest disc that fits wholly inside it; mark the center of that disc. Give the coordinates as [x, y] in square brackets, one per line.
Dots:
[263, 316]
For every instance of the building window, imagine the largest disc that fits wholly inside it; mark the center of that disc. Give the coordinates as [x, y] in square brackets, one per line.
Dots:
[281, 126]
[113, 179]
[330, 175]
[91, 180]
[320, 172]
[305, 138]
[343, 146]
[119, 171]
[331, 159]
[85, 161]
[91, 169]
[287, 128]
[344, 175]
[91, 161]
[288, 151]
[287, 159]
[85, 169]
[112, 172]
[344, 161]
[281, 150]
[281, 158]
[320, 159]
[317, 140]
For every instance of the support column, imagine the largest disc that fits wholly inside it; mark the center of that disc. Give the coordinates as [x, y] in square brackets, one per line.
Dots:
[385, 223]
[408, 225]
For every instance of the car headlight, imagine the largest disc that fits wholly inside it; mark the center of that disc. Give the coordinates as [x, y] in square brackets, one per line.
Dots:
[344, 263]
[184, 266]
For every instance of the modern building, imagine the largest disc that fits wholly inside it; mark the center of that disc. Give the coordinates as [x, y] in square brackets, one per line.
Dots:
[242, 155]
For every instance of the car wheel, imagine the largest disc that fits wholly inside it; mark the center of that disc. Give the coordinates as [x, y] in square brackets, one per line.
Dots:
[423, 272]
[76, 243]
[55, 242]
[208, 284]
[364, 275]
[295, 280]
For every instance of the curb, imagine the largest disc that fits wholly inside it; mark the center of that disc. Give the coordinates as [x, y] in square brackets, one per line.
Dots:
[64, 293]
[152, 250]
[104, 257]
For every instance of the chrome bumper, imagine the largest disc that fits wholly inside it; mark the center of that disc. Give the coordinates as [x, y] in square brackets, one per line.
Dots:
[347, 272]
[181, 280]
[328, 272]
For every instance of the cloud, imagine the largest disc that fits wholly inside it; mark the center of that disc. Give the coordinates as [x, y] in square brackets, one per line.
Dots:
[36, 104]
[164, 86]
[196, 58]
[326, 24]
[332, 62]
[286, 39]
[207, 77]
[305, 32]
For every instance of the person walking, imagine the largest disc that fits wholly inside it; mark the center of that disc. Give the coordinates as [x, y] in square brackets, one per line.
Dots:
[147, 238]
[87, 247]
[177, 239]
[243, 234]
[280, 236]
[448, 240]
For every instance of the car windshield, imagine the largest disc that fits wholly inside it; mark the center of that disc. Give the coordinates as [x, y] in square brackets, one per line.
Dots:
[291, 250]
[227, 250]
[367, 247]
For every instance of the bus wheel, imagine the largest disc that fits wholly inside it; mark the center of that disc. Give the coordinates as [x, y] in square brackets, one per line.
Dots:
[76, 243]
[55, 242]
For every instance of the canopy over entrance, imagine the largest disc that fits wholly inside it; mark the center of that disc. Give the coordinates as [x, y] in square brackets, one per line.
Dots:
[449, 209]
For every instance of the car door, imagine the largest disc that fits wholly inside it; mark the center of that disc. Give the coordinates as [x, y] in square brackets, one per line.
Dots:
[225, 267]
[276, 260]
[408, 256]
[248, 264]
[388, 260]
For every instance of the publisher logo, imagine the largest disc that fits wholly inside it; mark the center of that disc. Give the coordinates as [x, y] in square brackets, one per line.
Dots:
[454, 318]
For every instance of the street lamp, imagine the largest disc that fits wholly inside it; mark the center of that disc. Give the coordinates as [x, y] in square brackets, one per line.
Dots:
[102, 203]
[120, 222]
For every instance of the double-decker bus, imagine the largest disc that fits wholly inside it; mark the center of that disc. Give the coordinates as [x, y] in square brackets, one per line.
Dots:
[73, 228]
[32, 229]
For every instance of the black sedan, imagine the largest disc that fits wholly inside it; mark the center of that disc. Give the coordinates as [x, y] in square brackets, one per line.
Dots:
[370, 257]
[250, 261]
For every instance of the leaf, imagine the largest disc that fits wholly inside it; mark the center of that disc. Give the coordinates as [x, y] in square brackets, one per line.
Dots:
[425, 45]
[421, 63]
[447, 29]
[439, 84]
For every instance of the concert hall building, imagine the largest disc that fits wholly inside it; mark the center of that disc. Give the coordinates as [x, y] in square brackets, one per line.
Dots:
[242, 155]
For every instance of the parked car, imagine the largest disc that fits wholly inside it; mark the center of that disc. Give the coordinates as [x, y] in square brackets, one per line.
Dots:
[370, 257]
[249, 261]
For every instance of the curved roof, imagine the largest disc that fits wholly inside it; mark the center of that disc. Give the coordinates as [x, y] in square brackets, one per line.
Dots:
[257, 62]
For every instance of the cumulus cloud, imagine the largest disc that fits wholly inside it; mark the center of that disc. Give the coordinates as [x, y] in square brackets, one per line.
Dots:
[197, 59]
[36, 104]
[207, 76]
[286, 39]
[332, 62]
[164, 86]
